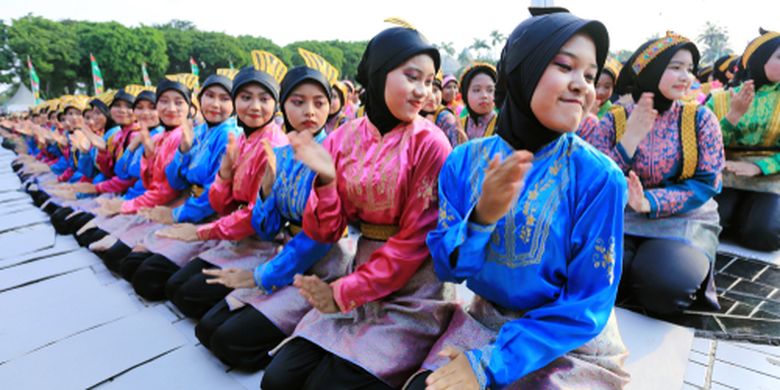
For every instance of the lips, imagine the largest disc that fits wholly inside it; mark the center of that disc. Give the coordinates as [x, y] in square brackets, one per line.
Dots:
[573, 101]
[309, 124]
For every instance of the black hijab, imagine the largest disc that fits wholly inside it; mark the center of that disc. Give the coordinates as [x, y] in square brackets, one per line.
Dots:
[465, 83]
[529, 50]
[762, 51]
[295, 77]
[219, 81]
[385, 52]
[250, 75]
[650, 75]
[720, 67]
[171, 85]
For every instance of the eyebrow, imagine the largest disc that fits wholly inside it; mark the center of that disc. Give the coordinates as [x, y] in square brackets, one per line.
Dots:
[574, 56]
[416, 69]
[680, 63]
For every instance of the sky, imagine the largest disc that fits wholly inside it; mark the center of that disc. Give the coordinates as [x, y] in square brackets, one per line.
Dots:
[629, 23]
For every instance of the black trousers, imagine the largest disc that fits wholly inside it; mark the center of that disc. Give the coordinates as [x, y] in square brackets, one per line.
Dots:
[751, 218]
[188, 290]
[64, 225]
[90, 236]
[664, 276]
[241, 339]
[58, 219]
[418, 383]
[130, 263]
[152, 274]
[39, 197]
[301, 364]
[113, 257]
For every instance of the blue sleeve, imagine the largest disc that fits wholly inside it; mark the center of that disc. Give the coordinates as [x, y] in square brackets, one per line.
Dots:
[587, 298]
[60, 166]
[99, 178]
[195, 209]
[176, 171]
[297, 256]
[266, 218]
[457, 245]
[87, 163]
[76, 177]
[122, 166]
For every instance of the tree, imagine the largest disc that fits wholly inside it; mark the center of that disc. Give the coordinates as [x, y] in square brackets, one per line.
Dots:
[446, 47]
[332, 54]
[53, 48]
[7, 58]
[622, 55]
[496, 39]
[353, 53]
[478, 45]
[715, 40]
[214, 50]
[178, 36]
[120, 51]
[249, 43]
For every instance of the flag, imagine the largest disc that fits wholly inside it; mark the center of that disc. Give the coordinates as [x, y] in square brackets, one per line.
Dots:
[97, 77]
[35, 82]
[195, 71]
[194, 66]
[147, 80]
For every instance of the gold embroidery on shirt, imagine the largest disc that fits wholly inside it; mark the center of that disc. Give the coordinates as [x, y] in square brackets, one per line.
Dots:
[605, 256]
[519, 246]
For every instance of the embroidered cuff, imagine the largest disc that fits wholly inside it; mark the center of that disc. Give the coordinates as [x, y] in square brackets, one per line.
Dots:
[476, 357]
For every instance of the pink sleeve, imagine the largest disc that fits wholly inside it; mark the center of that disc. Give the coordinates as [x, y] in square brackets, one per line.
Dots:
[105, 162]
[602, 137]
[158, 190]
[113, 185]
[323, 218]
[392, 265]
[221, 195]
[234, 226]
[65, 176]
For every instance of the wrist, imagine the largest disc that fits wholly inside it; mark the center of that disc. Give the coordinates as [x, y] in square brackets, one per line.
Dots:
[480, 217]
[733, 117]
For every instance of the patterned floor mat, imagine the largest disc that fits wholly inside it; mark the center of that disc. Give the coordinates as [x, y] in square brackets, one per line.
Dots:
[749, 296]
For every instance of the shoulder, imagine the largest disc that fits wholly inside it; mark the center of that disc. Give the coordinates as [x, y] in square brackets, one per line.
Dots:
[592, 165]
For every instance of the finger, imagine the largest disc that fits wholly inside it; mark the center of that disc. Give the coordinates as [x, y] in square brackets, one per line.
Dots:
[215, 281]
[450, 352]
[212, 272]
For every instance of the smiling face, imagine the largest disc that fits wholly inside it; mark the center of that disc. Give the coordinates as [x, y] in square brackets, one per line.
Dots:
[307, 108]
[604, 88]
[566, 89]
[146, 113]
[122, 112]
[172, 108]
[96, 120]
[254, 105]
[408, 86]
[73, 118]
[678, 75]
[215, 104]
